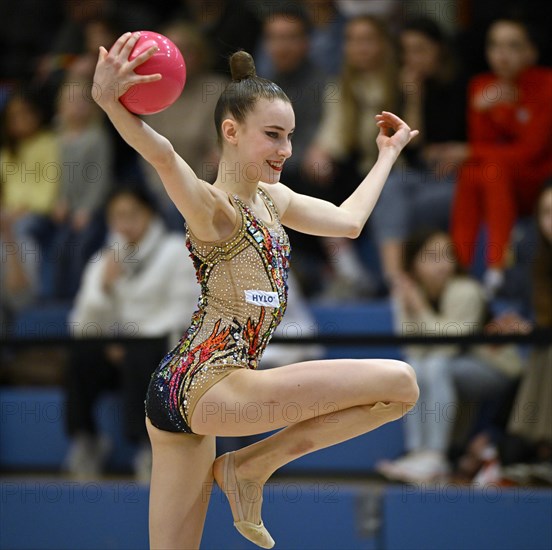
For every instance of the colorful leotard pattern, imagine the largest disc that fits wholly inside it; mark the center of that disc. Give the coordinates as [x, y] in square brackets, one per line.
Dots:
[243, 299]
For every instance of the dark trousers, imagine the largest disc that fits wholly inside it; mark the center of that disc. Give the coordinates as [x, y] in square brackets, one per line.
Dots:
[70, 251]
[90, 373]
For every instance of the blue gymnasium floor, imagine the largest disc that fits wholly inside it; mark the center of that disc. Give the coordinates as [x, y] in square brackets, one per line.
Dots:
[53, 513]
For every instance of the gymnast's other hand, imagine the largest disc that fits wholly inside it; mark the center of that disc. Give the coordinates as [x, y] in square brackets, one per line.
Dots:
[394, 133]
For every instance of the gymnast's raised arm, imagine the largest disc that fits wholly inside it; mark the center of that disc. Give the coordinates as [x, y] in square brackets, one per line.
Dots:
[318, 217]
[197, 200]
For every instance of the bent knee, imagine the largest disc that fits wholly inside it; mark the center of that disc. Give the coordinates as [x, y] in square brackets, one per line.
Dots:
[405, 388]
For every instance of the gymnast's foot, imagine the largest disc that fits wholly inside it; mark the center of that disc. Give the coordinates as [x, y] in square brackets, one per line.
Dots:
[245, 498]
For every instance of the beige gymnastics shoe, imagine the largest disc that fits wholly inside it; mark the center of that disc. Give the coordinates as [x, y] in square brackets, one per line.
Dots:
[245, 511]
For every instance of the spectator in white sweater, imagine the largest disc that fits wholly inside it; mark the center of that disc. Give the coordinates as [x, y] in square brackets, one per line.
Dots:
[141, 284]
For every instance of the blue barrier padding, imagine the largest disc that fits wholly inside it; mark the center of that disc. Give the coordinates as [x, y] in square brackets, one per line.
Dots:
[32, 429]
[373, 317]
[58, 514]
[448, 516]
[33, 419]
[62, 514]
[42, 321]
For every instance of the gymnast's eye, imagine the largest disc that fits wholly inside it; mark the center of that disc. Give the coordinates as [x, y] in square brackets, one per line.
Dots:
[272, 135]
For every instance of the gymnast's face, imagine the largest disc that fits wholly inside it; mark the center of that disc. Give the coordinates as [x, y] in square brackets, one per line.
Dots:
[263, 141]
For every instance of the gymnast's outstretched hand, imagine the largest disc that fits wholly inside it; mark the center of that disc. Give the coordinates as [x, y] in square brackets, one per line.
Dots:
[394, 133]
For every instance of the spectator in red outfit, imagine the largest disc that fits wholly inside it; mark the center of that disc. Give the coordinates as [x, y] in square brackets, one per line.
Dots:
[509, 151]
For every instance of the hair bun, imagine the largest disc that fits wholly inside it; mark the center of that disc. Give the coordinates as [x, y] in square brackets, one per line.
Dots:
[242, 66]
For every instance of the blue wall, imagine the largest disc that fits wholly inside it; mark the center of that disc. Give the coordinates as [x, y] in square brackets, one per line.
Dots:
[60, 514]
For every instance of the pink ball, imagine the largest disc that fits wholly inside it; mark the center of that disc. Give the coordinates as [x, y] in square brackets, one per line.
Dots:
[153, 97]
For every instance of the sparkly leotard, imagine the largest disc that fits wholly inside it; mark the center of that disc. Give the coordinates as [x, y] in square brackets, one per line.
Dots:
[243, 298]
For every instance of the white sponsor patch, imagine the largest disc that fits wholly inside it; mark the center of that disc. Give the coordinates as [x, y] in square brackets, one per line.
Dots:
[262, 298]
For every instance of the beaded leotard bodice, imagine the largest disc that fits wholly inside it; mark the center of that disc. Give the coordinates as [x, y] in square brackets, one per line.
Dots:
[243, 298]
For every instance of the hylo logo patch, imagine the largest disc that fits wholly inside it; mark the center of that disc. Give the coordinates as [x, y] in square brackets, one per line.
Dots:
[262, 298]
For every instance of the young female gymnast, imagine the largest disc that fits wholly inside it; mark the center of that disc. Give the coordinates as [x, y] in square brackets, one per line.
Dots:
[209, 385]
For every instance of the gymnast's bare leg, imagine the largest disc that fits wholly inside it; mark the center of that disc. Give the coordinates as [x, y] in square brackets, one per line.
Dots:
[337, 400]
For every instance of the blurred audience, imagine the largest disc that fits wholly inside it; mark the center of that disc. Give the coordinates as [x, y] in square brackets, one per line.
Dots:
[325, 30]
[193, 136]
[228, 25]
[345, 147]
[101, 30]
[326, 37]
[86, 23]
[386, 10]
[527, 451]
[509, 150]
[141, 284]
[419, 191]
[86, 178]
[434, 298]
[27, 26]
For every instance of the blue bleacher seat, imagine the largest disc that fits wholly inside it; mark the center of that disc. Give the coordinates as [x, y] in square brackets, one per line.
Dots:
[43, 321]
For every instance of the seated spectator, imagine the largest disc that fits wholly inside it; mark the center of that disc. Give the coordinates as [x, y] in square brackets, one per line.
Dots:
[142, 284]
[326, 24]
[527, 451]
[509, 151]
[345, 145]
[434, 298]
[18, 274]
[419, 192]
[195, 137]
[30, 167]
[86, 177]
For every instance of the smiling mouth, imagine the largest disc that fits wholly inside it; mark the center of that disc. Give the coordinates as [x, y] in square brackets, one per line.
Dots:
[278, 166]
